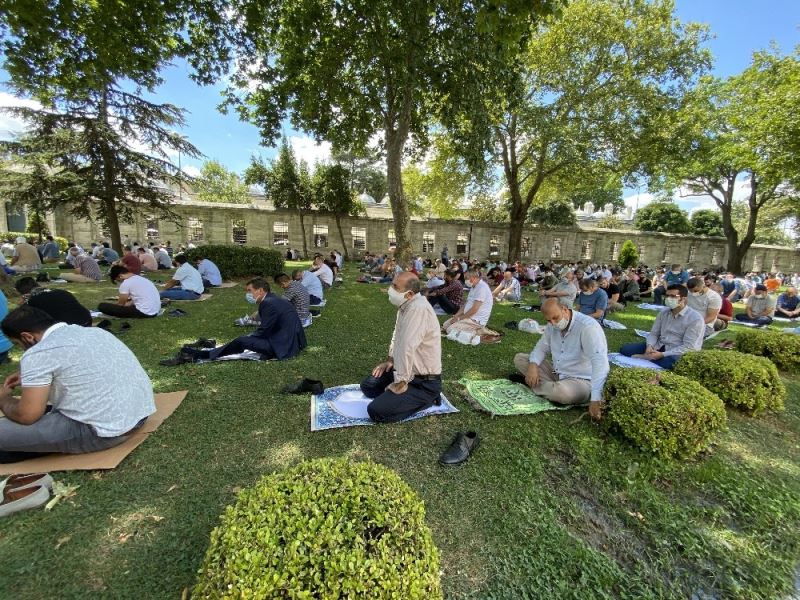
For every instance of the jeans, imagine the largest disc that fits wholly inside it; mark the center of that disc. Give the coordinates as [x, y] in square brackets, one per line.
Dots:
[444, 303]
[639, 347]
[388, 407]
[179, 294]
[757, 320]
[658, 294]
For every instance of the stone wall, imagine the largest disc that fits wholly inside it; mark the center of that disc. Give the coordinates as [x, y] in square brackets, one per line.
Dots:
[262, 226]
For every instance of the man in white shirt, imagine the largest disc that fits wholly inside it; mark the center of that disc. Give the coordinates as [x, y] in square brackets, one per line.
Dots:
[209, 272]
[578, 367]
[163, 259]
[508, 289]
[474, 314]
[565, 291]
[68, 405]
[707, 302]
[186, 282]
[138, 296]
[312, 283]
[323, 271]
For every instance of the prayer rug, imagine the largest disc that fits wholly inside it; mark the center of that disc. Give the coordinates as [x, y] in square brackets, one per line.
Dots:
[628, 362]
[320, 305]
[200, 299]
[246, 355]
[794, 330]
[501, 397]
[439, 312]
[646, 306]
[609, 324]
[104, 459]
[227, 284]
[96, 314]
[784, 319]
[346, 406]
[642, 333]
[744, 323]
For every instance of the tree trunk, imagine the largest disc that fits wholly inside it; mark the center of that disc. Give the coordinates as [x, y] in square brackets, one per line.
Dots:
[303, 232]
[107, 196]
[395, 141]
[341, 236]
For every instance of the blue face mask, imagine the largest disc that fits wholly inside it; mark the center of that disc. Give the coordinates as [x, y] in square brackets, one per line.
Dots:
[250, 298]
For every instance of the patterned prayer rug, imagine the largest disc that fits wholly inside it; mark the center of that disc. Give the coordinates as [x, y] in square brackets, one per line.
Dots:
[503, 397]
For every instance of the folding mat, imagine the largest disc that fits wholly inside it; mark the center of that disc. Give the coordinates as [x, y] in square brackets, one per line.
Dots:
[628, 362]
[346, 406]
[227, 284]
[501, 397]
[105, 459]
[646, 306]
[200, 299]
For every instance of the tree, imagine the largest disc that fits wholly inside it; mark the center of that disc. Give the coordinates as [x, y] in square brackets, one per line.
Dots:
[610, 222]
[218, 184]
[485, 208]
[590, 82]
[364, 172]
[553, 212]
[736, 134]
[666, 217]
[333, 194]
[769, 228]
[37, 224]
[706, 222]
[379, 68]
[628, 255]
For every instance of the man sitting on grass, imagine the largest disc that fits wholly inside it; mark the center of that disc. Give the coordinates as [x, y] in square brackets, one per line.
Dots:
[186, 282]
[707, 302]
[592, 301]
[138, 296]
[759, 307]
[297, 295]
[410, 379]
[677, 330]
[62, 306]
[147, 259]
[323, 271]
[447, 296]
[279, 335]
[565, 290]
[312, 283]
[85, 268]
[726, 309]
[578, 367]
[508, 289]
[474, 314]
[209, 272]
[68, 404]
[788, 305]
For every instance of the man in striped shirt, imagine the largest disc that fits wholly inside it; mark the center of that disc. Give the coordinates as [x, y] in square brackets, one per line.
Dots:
[86, 269]
[296, 294]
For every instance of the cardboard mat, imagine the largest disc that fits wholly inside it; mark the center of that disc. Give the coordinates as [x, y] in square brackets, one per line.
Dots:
[227, 284]
[200, 299]
[105, 459]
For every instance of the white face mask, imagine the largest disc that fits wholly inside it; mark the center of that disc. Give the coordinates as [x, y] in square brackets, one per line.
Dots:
[676, 272]
[396, 298]
[562, 324]
[587, 293]
[468, 283]
[672, 302]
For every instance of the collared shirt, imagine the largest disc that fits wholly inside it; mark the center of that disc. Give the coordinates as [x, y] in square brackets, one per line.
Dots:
[416, 347]
[313, 284]
[570, 288]
[209, 271]
[787, 302]
[677, 334]
[764, 305]
[581, 353]
[453, 291]
[88, 266]
[514, 285]
[298, 296]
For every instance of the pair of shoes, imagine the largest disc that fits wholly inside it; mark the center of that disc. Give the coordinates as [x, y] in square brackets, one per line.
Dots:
[178, 313]
[517, 378]
[21, 492]
[512, 325]
[461, 449]
[18, 482]
[202, 343]
[104, 324]
[305, 385]
[181, 358]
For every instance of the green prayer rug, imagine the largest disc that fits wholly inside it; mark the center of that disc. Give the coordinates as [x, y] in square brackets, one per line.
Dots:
[503, 397]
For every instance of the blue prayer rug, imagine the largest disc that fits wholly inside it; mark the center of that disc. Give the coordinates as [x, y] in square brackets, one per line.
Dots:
[346, 406]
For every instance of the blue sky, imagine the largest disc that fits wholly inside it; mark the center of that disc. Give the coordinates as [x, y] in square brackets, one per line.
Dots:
[739, 26]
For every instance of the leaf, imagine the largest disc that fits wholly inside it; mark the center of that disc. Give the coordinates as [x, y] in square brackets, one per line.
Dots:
[61, 491]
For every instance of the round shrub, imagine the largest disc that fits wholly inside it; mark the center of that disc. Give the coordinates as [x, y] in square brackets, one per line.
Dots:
[240, 261]
[780, 348]
[328, 528]
[661, 412]
[748, 382]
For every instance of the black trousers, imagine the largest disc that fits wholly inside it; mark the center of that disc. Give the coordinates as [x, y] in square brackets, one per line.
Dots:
[123, 312]
[388, 407]
[444, 303]
[237, 346]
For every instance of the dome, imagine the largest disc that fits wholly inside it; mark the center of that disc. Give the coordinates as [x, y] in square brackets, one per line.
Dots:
[385, 199]
[365, 198]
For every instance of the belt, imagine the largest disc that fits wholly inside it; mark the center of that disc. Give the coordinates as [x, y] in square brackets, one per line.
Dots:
[428, 377]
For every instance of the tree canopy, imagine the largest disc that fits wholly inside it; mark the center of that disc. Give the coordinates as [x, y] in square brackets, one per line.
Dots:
[218, 184]
[666, 217]
[706, 222]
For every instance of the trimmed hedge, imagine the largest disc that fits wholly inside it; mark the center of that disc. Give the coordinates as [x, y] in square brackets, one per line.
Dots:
[240, 261]
[328, 528]
[751, 383]
[661, 412]
[11, 236]
[780, 348]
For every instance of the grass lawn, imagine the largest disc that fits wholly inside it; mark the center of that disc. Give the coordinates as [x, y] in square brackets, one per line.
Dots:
[548, 507]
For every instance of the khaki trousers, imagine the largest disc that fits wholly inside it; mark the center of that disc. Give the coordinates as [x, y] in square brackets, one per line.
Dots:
[560, 391]
[77, 278]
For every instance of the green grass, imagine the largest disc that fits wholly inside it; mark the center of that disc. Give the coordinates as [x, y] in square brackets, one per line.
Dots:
[547, 507]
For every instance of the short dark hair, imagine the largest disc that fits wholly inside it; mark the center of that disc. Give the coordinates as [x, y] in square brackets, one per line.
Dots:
[695, 282]
[259, 283]
[681, 289]
[180, 259]
[25, 285]
[50, 237]
[281, 278]
[116, 271]
[297, 274]
[26, 319]
[586, 284]
[106, 245]
[413, 285]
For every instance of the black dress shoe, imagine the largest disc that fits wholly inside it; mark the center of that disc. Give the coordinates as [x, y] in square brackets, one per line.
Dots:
[460, 450]
[104, 324]
[517, 378]
[203, 343]
[180, 359]
[305, 385]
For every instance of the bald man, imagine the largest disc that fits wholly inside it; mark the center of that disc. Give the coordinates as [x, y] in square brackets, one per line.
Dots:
[578, 367]
[410, 379]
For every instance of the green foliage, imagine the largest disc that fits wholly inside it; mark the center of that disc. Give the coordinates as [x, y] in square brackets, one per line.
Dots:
[240, 261]
[328, 528]
[553, 212]
[707, 222]
[332, 192]
[366, 174]
[11, 236]
[751, 383]
[628, 255]
[37, 223]
[769, 227]
[666, 217]
[486, 209]
[662, 412]
[610, 222]
[218, 184]
[782, 349]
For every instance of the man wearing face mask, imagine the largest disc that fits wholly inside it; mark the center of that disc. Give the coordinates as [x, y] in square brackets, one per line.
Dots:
[69, 405]
[578, 367]
[410, 379]
[474, 314]
[759, 307]
[672, 277]
[565, 291]
[279, 334]
[677, 330]
[707, 302]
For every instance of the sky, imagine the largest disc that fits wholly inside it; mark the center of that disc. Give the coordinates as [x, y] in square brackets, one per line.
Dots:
[740, 27]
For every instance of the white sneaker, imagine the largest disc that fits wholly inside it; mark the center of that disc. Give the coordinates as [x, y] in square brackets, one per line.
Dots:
[453, 335]
[23, 499]
[21, 482]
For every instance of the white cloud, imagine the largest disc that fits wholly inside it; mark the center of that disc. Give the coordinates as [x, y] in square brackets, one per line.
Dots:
[307, 149]
[11, 125]
[191, 170]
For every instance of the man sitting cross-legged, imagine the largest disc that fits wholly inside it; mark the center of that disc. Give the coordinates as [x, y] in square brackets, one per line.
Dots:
[138, 297]
[69, 405]
[409, 380]
[509, 288]
[578, 367]
[186, 282]
[59, 304]
[312, 283]
[474, 314]
[707, 302]
[85, 268]
[448, 296]
[279, 335]
[592, 300]
[759, 307]
[677, 330]
[297, 295]
[209, 272]
[788, 305]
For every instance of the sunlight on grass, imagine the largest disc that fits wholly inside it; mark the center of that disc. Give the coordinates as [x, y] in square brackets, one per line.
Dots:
[281, 457]
[765, 463]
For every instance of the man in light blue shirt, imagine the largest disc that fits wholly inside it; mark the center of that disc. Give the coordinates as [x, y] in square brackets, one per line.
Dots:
[578, 367]
[592, 301]
[676, 275]
[312, 283]
[186, 283]
[209, 272]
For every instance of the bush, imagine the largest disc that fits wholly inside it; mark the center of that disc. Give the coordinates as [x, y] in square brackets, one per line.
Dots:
[748, 382]
[11, 236]
[780, 348]
[628, 255]
[240, 261]
[662, 412]
[328, 528]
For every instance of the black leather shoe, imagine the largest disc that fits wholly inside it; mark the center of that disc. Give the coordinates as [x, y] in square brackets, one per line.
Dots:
[203, 343]
[305, 385]
[517, 378]
[180, 359]
[460, 450]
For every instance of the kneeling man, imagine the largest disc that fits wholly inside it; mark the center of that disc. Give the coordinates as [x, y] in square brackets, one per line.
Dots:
[578, 367]
[67, 404]
[410, 379]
